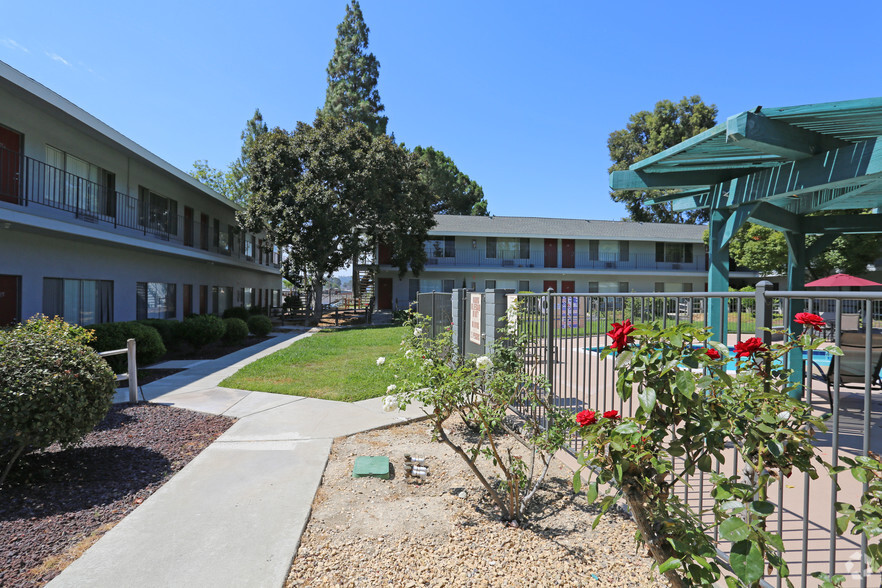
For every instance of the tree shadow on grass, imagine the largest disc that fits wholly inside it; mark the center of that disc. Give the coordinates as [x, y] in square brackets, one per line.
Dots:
[46, 483]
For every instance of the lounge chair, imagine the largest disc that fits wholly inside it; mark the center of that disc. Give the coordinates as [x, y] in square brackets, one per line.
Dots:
[851, 364]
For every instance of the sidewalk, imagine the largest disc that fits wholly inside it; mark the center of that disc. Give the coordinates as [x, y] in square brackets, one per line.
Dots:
[234, 515]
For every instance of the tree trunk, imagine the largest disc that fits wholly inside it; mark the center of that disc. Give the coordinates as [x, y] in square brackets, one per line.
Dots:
[316, 300]
[655, 543]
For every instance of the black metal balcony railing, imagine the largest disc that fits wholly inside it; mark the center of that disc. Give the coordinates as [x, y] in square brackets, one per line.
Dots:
[582, 261]
[27, 181]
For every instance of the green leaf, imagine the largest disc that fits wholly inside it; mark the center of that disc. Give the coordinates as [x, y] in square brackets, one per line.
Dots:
[704, 463]
[591, 494]
[861, 474]
[734, 529]
[746, 561]
[842, 524]
[763, 508]
[627, 428]
[647, 399]
[685, 383]
[577, 482]
[672, 564]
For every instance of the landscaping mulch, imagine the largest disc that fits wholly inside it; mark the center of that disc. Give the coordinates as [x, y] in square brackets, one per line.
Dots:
[58, 502]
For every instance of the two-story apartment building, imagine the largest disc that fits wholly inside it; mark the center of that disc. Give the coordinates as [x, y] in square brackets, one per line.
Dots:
[95, 228]
[529, 254]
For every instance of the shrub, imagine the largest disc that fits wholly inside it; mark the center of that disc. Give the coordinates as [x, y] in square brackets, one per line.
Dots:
[202, 329]
[53, 387]
[255, 310]
[239, 312]
[149, 346]
[260, 325]
[168, 330]
[236, 331]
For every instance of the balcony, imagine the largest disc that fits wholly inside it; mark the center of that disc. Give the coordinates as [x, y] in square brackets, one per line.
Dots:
[28, 182]
[581, 261]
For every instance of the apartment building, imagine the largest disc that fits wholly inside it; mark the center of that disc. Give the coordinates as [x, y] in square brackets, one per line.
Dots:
[529, 254]
[95, 228]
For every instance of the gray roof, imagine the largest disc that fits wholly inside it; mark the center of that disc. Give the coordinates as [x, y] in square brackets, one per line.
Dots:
[530, 226]
[39, 96]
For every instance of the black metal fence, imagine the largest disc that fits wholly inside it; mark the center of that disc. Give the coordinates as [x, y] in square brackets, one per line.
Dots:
[567, 332]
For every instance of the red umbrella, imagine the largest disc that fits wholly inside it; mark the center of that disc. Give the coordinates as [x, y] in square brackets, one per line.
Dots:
[841, 281]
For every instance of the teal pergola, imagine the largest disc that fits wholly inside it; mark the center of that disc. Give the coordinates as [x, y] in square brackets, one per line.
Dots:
[773, 167]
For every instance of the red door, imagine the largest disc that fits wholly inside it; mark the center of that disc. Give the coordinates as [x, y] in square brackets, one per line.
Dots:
[549, 284]
[10, 165]
[384, 294]
[550, 252]
[568, 287]
[9, 299]
[567, 253]
[384, 254]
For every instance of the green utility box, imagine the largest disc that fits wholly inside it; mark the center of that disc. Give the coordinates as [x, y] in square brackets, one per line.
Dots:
[375, 466]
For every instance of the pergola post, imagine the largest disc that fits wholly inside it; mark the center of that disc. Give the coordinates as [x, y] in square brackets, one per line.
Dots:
[796, 263]
[718, 273]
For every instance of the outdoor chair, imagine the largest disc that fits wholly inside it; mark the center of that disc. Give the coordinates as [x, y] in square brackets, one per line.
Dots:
[851, 364]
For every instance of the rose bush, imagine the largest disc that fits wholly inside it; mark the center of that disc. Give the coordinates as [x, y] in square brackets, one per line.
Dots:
[434, 373]
[690, 413]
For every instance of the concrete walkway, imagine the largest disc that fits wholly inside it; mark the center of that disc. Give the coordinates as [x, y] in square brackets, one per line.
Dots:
[234, 515]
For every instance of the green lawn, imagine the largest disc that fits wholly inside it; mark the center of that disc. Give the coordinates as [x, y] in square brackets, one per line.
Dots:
[334, 365]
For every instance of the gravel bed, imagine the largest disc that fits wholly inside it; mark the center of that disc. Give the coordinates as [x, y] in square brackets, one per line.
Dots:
[56, 503]
[446, 532]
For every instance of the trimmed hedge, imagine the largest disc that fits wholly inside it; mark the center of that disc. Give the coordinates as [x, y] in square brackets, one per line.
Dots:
[260, 325]
[236, 331]
[53, 387]
[202, 329]
[239, 312]
[109, 336]
[169, 329]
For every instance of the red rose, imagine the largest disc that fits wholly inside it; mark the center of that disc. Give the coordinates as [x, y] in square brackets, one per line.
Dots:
[807, 318]
[713, 353]
[611, 414]
[619, 335]
[586, 417]
[749, 347]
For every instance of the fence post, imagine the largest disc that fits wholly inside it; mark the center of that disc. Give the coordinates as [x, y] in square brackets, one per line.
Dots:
[549, 340]
[494, 309]
[457, 312]
[763, 326]
[132, 370]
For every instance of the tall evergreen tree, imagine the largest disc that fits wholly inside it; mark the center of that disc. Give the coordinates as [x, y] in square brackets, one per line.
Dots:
[352, 75]
[453, 191]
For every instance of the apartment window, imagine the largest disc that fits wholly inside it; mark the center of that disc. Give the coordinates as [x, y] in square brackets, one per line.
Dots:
[447, 285]
[249, 247]
[157, 213]
[249, 297]
[75, 184]
[489, 284]
[260, 252]
[593, 250]
[659, 287]
[442, 247]
[491, 247]
[624, 287]
[155, 300]
[624, 251]
[593, 287]
[84, 302]
[673, 252]
[508, 248]
[413, 286]
[221, 298]
[523, 285]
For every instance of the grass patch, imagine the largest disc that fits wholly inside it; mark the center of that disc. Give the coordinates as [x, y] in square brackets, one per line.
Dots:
[333, 365]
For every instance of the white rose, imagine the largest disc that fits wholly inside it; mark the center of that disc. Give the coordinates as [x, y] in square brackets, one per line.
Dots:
[429, 362]
[484, 363]
[381, 360]
[390, 403]
[391, 388]
[417, 332]
[409, 353]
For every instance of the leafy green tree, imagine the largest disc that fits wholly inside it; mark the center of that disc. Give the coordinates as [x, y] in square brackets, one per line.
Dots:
[329, 191]
[649, 133]
[764, 250]
[233, 183]
[453, 191]
[352, 75]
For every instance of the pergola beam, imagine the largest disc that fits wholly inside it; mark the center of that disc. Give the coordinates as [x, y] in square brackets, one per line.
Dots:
[766, 135]
[640, 180]
[844, 223]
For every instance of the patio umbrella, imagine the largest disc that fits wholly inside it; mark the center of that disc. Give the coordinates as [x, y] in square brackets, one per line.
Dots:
[841, 281]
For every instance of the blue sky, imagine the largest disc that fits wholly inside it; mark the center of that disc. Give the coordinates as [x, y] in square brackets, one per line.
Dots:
[522, 95]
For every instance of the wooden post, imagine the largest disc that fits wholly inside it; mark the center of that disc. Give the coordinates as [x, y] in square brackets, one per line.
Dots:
[132, 370]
